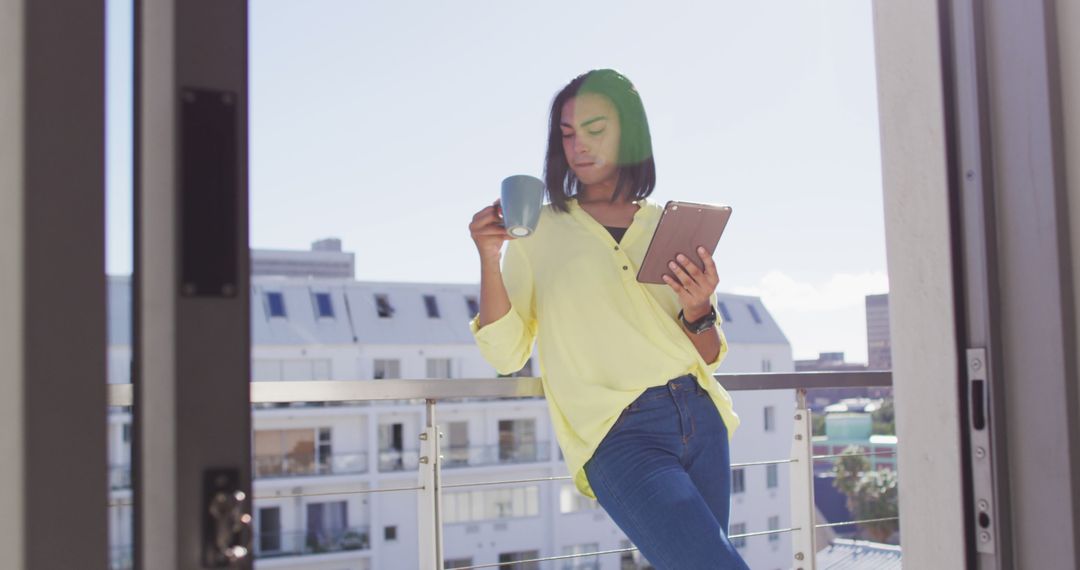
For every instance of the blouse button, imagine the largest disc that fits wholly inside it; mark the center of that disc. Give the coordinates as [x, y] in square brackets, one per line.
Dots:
[625, 268]
[616, 248]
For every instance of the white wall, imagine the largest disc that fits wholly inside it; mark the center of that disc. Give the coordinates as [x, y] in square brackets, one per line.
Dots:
[921, 288]
[748, 358]
[352, 362]
[395, 509]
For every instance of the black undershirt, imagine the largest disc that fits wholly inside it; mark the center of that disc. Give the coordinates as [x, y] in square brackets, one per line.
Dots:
[616, 233]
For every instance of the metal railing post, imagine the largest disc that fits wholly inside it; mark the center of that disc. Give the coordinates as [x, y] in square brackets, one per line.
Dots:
[429, 501]
[804, 544]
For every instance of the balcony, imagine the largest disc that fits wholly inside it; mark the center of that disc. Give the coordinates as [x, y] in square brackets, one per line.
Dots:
[306, 465]
[309, 542]
[392, 460]
[120, 557]
[398, 459]
[120, 476]
[501, 454]
[430, 458]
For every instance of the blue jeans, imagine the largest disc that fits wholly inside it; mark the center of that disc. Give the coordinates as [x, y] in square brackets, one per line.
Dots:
[663, 474]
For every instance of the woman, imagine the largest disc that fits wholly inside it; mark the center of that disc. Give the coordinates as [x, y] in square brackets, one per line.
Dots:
[626, 367]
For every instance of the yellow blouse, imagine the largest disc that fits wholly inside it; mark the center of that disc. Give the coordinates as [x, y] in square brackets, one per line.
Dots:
[603, 337]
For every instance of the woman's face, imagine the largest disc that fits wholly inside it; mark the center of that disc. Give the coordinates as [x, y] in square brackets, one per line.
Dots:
[590, 136]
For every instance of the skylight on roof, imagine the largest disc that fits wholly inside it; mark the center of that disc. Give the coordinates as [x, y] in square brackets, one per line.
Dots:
[275, 304]
[753, 313]
[383, 307]
[724, 313]
[324, 307]
[432, 306]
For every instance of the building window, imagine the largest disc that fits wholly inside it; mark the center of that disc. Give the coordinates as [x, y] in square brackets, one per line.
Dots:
[382, 305]
[451, 563]
[724, 313]
[390, 533]
[774, 524]
[457, 450]
[517, 441]
[391, 447]
[432, 306]
[386, 368]
[473, 306]
[581, 562]
[279, 453]
[772, 476]
[626, 559]
[738, 528]
[269, 529]
[519, 556]
[324, 307]
[472, 506]
[266, 369]
[754, 314]
[766, 365]
[770, 418]
[325, 451]
[326, 523]
[738, 481]
[320, 369]
[275, 304]
[126, 433]
[438, 368]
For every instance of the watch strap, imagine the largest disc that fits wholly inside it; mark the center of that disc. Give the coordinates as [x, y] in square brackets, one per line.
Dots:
[701, 325]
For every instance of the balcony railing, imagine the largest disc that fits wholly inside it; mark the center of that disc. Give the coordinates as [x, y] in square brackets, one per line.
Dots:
[398, 459]
[120, 476]
[500, 454]
[307, 464]
[468, 456]
[431, 456]
[120, 557]
[301, 543]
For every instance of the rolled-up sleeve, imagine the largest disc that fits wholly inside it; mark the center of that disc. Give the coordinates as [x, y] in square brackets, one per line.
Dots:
[507, 343]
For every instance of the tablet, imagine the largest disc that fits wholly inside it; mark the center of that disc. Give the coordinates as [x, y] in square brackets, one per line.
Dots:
[683, 226]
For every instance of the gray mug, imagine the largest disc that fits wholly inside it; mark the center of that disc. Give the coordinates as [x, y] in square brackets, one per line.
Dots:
[522, 198]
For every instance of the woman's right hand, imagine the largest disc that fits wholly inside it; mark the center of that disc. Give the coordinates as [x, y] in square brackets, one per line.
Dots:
[488, 231]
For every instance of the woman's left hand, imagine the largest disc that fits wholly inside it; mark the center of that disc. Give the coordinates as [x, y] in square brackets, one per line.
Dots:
[693, 286]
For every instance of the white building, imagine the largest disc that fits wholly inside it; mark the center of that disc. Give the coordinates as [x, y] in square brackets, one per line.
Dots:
[308, 328]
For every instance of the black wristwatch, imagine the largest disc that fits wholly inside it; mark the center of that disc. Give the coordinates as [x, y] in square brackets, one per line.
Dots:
[701, 325]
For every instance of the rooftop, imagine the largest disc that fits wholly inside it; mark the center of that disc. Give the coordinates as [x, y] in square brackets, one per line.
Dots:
[847, 554]
[336, 311]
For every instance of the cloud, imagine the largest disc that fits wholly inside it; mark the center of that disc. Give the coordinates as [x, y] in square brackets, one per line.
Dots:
[825, 316]
[782, 293]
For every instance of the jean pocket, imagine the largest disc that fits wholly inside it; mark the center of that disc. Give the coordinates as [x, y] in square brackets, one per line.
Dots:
[646, 397]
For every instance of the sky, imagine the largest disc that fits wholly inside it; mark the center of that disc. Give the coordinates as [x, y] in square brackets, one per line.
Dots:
[389, 124]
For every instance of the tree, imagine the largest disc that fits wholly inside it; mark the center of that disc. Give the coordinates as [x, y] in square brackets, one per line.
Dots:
[885, 418]
[870, 494]
[817, 422]
[848, 468]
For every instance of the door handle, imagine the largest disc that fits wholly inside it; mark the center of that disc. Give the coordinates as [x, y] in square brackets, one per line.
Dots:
[226, 523]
